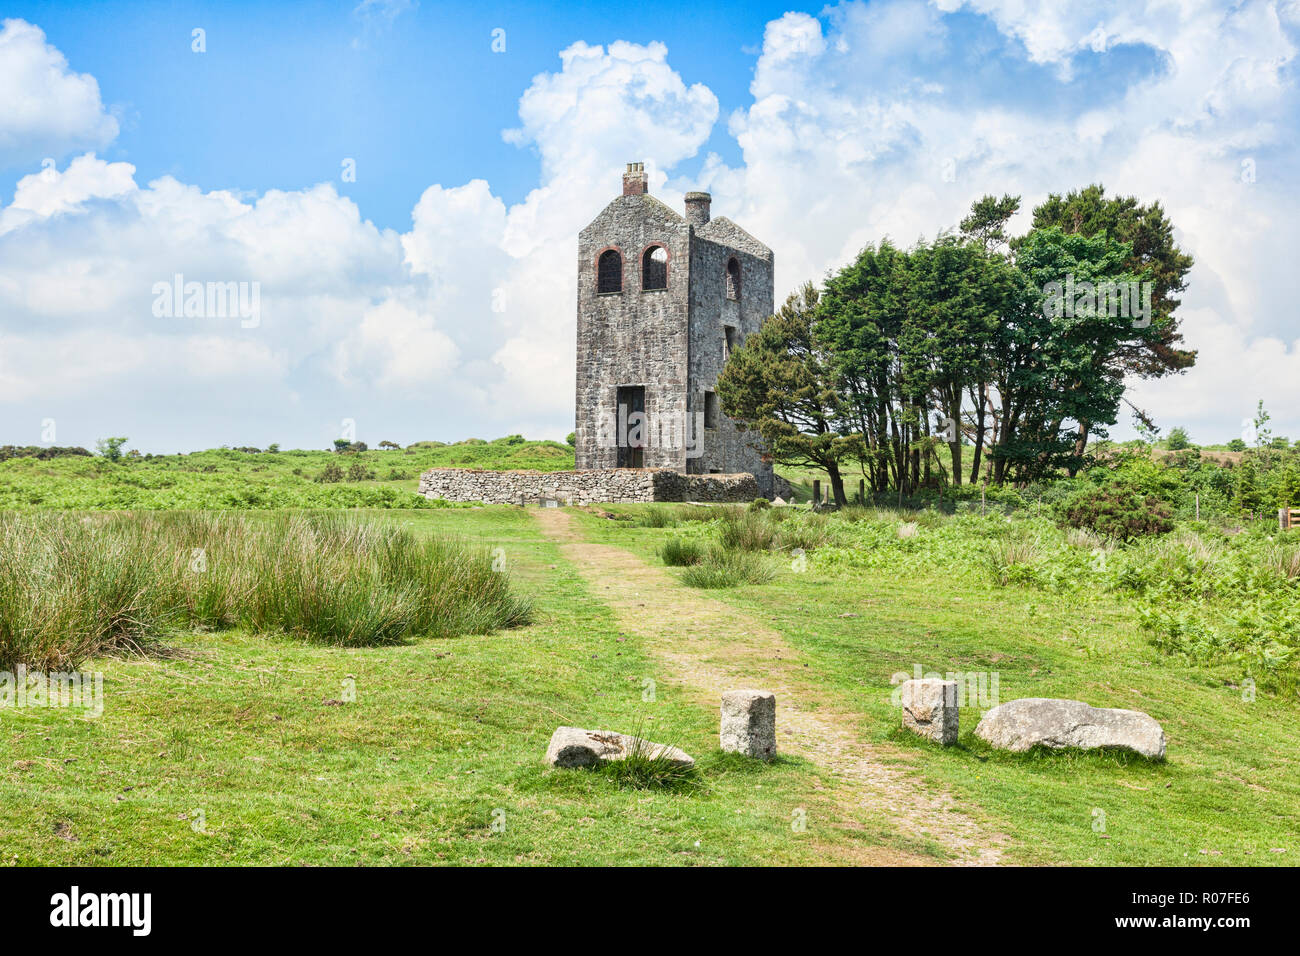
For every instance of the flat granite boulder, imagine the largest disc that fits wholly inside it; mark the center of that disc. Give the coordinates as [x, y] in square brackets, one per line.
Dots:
[575, 747]
[1020, 724]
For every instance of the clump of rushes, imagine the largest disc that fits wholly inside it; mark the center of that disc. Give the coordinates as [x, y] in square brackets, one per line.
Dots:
[73, 586]
[657, 516]
[721, 568]
[645, 767]
[681, 552]
[742, 530]
[1006, 557]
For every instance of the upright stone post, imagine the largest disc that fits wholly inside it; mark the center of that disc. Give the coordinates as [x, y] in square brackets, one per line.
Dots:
[862, 491]
[749, 723]
[930, 708]
[817, 491]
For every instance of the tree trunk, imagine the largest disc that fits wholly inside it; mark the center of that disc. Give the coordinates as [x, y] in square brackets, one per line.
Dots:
[979, 434]
[1080, 446]
[837, 484]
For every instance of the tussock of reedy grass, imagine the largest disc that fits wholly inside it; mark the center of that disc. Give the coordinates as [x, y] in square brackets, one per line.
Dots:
[681, 552]
[646, 767]
[742, 530]
[1283, 559]
[1086, 540]
[657, 516]
[671, 515]
[72, 586]
[772, 529]
[1006, 554]
[721, 568]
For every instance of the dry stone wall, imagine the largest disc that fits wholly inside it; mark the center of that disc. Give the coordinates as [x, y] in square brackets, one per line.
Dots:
[597, 486]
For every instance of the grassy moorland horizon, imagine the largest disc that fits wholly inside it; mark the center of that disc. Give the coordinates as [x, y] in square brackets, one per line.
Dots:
[258, 479]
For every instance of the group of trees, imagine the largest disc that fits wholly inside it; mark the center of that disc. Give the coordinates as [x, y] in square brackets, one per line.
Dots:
[1014, 348]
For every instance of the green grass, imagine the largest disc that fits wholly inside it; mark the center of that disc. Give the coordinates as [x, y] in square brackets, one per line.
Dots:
[222, 478]
[1229, 792]
[254, 736]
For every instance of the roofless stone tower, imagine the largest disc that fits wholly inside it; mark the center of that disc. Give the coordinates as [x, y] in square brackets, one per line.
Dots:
[662, 299]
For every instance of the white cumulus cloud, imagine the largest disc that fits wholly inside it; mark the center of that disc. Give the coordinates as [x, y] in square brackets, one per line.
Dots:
[47, 110]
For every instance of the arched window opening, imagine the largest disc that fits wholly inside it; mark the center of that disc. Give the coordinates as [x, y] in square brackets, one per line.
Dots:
[654, 268]
[609, 272]
[733, 279]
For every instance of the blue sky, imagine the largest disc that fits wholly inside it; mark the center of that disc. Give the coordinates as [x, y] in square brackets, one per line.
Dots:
[285, 90]
[433, 296]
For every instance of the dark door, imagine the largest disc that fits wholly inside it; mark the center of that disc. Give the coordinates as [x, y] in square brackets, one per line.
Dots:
[631, 426]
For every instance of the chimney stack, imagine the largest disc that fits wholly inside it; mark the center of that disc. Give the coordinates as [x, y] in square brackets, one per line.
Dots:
[697, 208]
[634, 180]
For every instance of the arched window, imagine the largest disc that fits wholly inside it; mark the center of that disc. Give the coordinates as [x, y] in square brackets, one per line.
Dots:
[733, 278]
[609, 272]
[654, 268]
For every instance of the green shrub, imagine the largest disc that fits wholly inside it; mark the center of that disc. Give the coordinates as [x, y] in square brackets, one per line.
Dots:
[758, 504]
[359, 472]
[110, 448]
[39, 452]
[681, 552]
[331, 473]
[1118, 511]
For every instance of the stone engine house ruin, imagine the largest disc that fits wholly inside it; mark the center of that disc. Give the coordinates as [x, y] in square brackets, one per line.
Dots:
[662, 299]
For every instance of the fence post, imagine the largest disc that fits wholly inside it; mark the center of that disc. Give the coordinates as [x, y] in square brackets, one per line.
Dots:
[817, 491]
[1198, 506]
[1282, 519]
[862, 491]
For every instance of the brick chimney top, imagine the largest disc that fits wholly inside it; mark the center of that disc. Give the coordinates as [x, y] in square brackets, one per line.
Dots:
[634, 180]
[697, 208]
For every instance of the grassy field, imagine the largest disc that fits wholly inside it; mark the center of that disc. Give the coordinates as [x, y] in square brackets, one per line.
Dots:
[1229, 792]
[246, 745]
[224, 478]
[242, 749]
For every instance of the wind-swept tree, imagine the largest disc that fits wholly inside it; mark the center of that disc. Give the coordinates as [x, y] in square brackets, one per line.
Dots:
[1153, 257]
[1060, 352]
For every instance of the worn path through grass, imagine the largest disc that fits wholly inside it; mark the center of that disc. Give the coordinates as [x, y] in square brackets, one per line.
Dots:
[710, 646]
